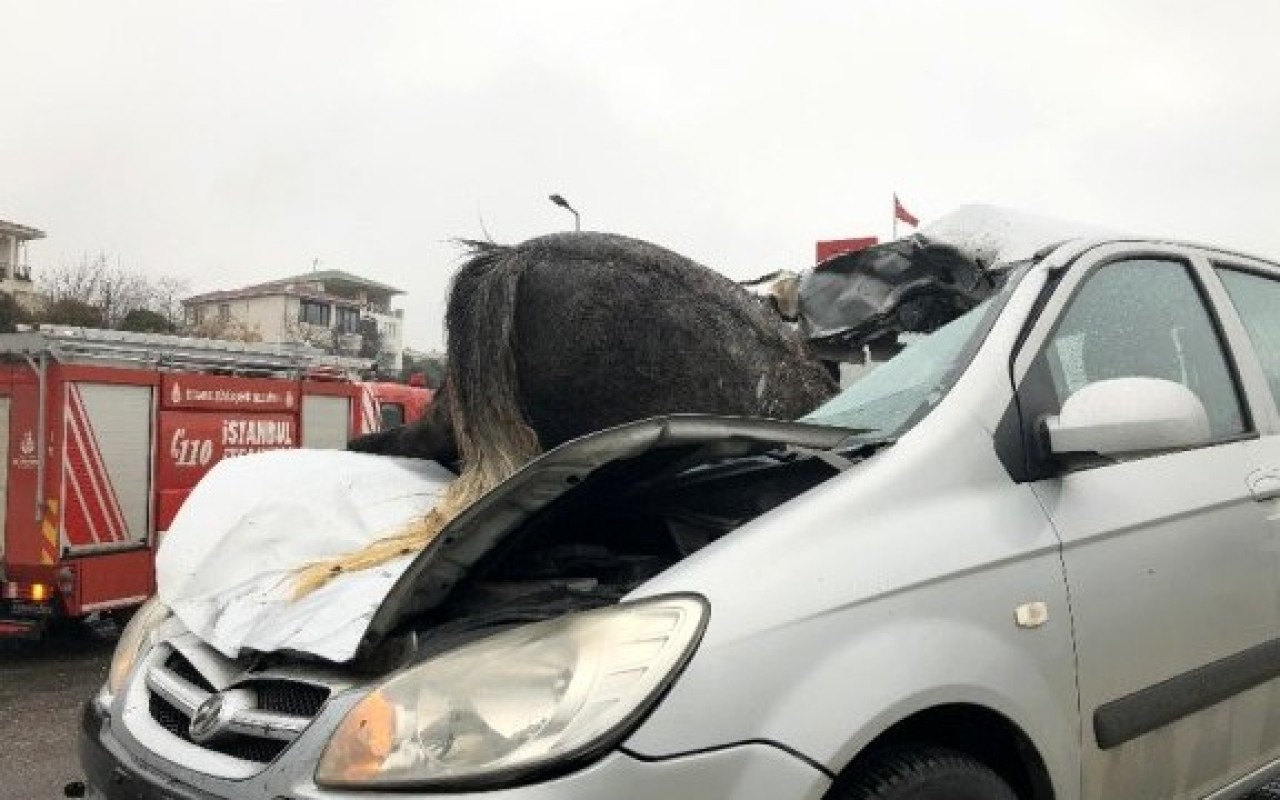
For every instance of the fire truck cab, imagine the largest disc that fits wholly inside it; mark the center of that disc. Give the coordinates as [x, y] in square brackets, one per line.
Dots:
[103, 434]
[390, 405]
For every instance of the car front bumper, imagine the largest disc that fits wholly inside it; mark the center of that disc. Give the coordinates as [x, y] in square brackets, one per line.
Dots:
[749, 771]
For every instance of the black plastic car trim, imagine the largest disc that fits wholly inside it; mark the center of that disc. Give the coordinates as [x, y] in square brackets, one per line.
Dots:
[114, 779]
[1126, 718]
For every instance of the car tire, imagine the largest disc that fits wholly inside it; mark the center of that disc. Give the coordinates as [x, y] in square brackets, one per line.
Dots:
[926, 773]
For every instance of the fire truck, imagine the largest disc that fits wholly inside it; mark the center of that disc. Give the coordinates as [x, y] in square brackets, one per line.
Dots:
[104, 434]
[389, 405]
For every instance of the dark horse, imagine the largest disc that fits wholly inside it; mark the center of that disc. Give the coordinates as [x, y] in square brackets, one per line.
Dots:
[575, 332]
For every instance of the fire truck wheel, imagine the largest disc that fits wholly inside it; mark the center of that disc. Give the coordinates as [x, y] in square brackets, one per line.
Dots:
[121, 616]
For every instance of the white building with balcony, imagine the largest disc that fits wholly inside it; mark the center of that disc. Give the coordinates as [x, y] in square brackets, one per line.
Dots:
[322, 308]
[15, 270]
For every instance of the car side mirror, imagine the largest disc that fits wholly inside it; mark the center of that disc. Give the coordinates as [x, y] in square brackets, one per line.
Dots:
[1126, 416]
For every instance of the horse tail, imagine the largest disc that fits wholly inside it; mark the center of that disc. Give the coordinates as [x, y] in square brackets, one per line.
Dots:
[493, 436]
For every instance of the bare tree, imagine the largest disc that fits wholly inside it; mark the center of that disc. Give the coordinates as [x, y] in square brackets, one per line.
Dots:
[228, 329]
[114, 289]
[168, 292]
[370, 338]
[315, 335]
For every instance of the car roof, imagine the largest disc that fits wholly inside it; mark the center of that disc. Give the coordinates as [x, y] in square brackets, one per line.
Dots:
[1081, 245]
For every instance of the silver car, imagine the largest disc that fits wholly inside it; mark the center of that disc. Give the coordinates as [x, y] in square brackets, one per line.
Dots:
[1036, 555]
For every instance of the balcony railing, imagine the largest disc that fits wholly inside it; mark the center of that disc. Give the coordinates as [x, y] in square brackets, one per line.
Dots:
[17, 272]
[348, 343]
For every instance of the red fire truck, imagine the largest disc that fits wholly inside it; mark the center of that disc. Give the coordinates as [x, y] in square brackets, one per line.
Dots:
[389, 405]
[103, 435]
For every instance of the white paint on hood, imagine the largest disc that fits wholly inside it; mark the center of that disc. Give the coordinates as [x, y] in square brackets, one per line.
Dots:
[227, 563]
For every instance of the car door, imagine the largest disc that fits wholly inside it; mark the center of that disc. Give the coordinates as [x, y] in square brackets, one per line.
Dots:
[1170, 561]
[1252, 289]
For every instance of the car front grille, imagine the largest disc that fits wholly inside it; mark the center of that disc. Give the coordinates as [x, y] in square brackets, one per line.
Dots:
[245, 748]
[290, 697]
[271, 713]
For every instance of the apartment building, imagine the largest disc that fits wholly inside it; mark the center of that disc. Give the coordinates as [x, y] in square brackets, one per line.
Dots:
[323, 308]
[15, 270]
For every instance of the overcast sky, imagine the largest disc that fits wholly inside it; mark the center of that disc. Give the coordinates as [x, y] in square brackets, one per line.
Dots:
[235, 142]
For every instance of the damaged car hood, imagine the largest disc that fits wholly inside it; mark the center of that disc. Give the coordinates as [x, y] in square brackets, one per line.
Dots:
[226, 567]
[633, 449]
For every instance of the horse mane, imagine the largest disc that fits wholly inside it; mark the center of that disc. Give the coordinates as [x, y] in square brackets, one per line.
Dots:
[493, 436]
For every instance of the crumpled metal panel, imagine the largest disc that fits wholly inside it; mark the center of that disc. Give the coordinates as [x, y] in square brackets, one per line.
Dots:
[228, 564]
[911, 285]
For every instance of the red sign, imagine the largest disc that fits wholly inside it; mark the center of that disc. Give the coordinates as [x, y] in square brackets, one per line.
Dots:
[196, 441]
[191, 442]
[834, 247]
[219, 393]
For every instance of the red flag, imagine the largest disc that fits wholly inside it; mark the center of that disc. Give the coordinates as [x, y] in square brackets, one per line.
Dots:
[901, 213]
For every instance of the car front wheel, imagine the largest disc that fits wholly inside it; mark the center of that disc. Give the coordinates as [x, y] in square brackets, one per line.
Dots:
[926, 773]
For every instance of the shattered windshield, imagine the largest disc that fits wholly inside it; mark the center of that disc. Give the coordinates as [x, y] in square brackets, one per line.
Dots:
[899, 393]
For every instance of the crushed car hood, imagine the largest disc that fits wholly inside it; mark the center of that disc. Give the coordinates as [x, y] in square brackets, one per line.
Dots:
[226, 565]
[634, 449]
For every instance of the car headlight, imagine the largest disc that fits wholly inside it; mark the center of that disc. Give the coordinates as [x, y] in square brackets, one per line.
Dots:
[134, 640]
[498, 709]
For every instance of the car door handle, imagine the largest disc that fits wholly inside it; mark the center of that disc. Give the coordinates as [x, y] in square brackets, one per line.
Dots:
[1264, 484]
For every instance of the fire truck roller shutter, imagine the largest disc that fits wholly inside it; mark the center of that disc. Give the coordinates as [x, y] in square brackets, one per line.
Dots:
[106, 470]
[5, 458]
[326, 421]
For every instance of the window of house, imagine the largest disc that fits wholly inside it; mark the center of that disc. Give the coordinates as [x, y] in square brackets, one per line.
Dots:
[313, 313]
[348, 320]
[224, 312]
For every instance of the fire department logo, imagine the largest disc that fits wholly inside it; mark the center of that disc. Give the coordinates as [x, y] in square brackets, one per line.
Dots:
[27, 458]
[176, 394]
[207, 720]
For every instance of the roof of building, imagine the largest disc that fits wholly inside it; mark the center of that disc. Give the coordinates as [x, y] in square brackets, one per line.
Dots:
[21, 231]
[269, 290]
[291, 287]
[340, 276]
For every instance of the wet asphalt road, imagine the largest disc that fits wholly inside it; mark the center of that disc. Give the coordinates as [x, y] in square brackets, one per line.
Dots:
[42, 688]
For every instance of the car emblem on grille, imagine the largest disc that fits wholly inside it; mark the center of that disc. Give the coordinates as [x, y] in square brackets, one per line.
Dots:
[207, 721]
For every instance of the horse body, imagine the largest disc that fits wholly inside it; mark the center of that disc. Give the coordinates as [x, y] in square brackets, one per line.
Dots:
[572, 333]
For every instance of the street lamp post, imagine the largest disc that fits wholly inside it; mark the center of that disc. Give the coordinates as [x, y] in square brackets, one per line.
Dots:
[560, 201]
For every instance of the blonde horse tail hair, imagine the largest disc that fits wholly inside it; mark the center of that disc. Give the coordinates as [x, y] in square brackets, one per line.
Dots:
[494, 438]
[413, 538]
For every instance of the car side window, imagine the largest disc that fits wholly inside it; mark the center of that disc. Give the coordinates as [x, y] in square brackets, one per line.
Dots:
[1141, 318]
[1257, 299]
[392, 415]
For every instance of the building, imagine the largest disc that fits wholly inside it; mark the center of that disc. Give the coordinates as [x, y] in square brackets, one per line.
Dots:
[322, 308]
[15, 270]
